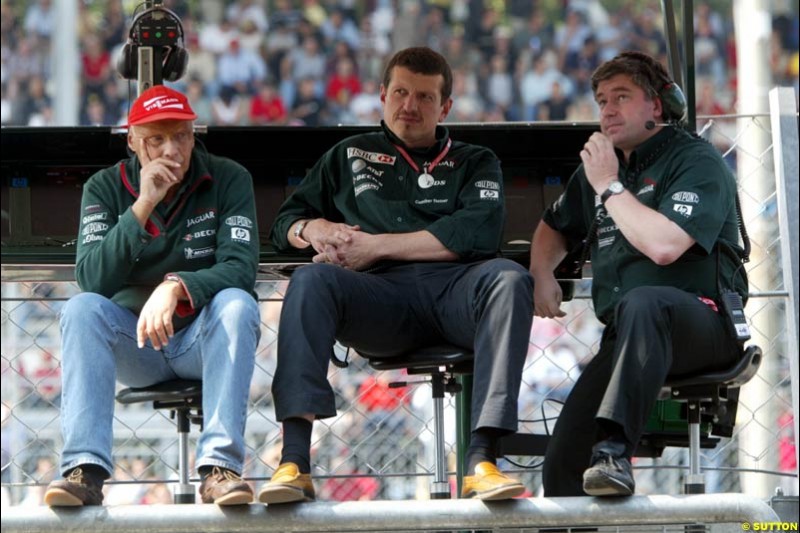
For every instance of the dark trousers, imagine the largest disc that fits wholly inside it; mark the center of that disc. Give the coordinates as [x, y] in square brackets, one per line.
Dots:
[657, 332]
[485, 306]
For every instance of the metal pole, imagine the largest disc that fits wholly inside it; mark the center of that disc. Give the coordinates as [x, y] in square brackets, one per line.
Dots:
[463, 428]
[785, 146]
[440, 488]
[688, 47]
[184, 492]
[395, 515]
[752, 29]
[66, 62]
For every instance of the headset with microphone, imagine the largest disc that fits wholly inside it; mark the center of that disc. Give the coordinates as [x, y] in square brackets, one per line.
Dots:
[161, 29]
[673, 101]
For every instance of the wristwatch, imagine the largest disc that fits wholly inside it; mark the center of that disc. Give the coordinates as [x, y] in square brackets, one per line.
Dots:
[173, 277]
[298, 231]
[615, 187]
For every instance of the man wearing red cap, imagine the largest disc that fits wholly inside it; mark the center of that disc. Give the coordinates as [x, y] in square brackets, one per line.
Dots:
[167, 258]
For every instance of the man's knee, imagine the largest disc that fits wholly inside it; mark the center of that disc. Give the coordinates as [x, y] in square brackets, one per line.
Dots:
[236, 305]
[87, 308]
[642, 301]
[314, 278]
[507, 275]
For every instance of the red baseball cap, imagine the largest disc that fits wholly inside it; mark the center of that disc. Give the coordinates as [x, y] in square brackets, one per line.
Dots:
[160, 103]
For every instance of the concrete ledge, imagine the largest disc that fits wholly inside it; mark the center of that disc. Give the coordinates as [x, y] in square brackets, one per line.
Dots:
[394, 515]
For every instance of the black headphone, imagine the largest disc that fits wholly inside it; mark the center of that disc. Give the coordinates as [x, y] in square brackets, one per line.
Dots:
[161, 22]
[673, 101]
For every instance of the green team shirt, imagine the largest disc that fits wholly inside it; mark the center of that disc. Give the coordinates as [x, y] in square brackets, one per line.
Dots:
[206, 236]
[683, 178]
[366, 180]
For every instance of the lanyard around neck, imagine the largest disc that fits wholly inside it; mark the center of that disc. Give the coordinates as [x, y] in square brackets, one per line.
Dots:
[427, 169]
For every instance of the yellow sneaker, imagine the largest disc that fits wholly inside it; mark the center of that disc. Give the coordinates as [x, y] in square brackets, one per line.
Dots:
[489, 483]
[287, 485]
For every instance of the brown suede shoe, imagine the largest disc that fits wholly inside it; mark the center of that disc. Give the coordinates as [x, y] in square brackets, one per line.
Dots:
[287, 485]
[489, 483]
[225, 487]
[76, 490]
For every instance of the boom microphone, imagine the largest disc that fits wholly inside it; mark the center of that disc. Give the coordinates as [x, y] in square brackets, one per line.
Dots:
[650, 125]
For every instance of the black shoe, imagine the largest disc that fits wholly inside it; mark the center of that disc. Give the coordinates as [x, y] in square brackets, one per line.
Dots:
[610, 473]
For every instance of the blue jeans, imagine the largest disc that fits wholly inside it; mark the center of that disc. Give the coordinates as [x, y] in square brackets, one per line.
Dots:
[98, 339]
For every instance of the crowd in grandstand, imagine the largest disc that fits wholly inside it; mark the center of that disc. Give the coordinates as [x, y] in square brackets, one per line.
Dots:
[319, 62]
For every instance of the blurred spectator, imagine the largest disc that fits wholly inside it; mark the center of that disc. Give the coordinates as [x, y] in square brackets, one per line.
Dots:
[249, 37]
[708, 52]
[345, 79]
[40, 19]
[314, 12]
[340, 28]
[285, 15]
[536, 37]
[200, 102]
[32, 101]
[467, 103]
[113, 26]
[308, 108]
[306, 62]
[407, 30]
[248, 12]
[707, 102]
[570, 37]
[240, 69]
[228, 108]
[266, 107]
[536, 85]
[366, 106]
[216, 38]
[500, 87]
[611, 38]
[646, 36]
[555, 107]
[436, 28]
[96, 63]
[202, 63]
[585, 64]
[95, 111]
[27, 61]
[6, 108]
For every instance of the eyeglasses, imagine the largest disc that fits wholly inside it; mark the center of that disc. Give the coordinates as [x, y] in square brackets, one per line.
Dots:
[181, 138]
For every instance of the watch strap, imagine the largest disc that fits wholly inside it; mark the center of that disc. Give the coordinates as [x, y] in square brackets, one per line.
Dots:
[609, 192]
[298, 231]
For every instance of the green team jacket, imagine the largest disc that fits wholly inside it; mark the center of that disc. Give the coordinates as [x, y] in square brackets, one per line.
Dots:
[365, 180]
[207, 235]
[683, 178]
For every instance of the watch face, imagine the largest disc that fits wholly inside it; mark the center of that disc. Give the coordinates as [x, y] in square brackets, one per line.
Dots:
[616, 187]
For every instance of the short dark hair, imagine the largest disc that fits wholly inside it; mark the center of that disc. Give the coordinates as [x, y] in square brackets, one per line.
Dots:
[421, 60]
[647, 73]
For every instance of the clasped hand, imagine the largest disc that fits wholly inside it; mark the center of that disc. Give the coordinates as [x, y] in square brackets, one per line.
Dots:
[343, 245]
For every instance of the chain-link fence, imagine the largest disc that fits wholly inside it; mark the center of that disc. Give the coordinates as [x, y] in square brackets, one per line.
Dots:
[380, 446]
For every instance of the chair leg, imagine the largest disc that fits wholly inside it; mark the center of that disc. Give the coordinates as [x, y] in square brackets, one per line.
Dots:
[440, 487]
[695, 480]
[185, 491]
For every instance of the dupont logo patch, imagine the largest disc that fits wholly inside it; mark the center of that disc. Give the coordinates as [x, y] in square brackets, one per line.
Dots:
[686, 197]
[372, 157]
